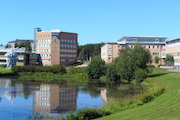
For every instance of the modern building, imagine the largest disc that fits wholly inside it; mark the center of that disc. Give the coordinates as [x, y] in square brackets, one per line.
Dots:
[11, 44]
[24, 58]
[156, 46]
[173, 48]
[56, 47]
[55, 99]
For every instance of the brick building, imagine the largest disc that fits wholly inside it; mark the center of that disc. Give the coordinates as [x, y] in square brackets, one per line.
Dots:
[56, 47]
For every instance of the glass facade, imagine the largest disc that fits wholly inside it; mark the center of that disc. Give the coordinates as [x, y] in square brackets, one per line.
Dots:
[143, 39]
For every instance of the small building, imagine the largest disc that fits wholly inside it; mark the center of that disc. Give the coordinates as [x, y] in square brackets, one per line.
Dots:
[11, 44]
[24, 58]
[173, 48]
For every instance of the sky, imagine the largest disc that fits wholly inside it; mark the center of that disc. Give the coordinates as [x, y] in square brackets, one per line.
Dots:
[95, 21]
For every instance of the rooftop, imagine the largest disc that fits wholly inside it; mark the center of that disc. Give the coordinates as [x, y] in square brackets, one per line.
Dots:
[141, 37]
[21, 40]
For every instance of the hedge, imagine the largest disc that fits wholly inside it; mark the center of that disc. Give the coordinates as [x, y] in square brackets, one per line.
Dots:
[52, 69]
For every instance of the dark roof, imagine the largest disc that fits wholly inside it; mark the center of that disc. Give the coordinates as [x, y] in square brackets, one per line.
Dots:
[20, 41]
[173, 40]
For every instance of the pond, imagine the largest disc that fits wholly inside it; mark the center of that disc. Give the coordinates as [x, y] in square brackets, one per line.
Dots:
[23, 100]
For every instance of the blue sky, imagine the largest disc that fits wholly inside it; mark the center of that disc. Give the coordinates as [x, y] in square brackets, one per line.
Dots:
[94, 20]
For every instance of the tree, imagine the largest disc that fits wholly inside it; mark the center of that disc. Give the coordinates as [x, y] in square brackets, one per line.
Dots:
[129, 61]
[96, 68]
[156, 59]
[140, 75]
[27, 45]
[111, 73]
[169, 60]
[16, 45]
[85, 52]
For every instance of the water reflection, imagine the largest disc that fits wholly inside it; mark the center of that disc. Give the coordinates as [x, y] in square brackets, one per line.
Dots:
[22, 100]
[55, 99]
[8, 94]
[115, 93]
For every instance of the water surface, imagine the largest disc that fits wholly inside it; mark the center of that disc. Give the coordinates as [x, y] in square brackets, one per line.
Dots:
[22, 101]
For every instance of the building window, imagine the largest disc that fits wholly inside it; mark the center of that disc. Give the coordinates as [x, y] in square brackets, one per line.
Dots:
[156, 39]
[135, 39]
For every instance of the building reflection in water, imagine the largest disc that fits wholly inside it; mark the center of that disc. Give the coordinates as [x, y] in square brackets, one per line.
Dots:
[7, 93]
[55, 99]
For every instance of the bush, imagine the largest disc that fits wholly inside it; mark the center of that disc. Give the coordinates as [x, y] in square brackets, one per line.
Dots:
[52, 69]
[87, 114]
[140, 75]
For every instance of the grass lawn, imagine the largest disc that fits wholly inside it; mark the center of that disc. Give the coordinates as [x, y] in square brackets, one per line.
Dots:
[4, 71]
[163, 107]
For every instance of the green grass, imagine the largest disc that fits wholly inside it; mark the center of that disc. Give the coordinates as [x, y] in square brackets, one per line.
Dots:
[3, 71]
[163, 107]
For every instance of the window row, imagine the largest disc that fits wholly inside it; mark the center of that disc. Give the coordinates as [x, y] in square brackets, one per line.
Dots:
[149, 46]
[45, 55]
[68, 94]
[177, 60]
[46, 60]
[65, 60]
[68, 55]
[42, 104]
[175, 54]
[69, 51]
[68, 46]
[68, 36]
[67, 104]
[47, 35]
[40, 41]
[42, 94]
[67, 98]
[44, 50]
[44, 88]
[155, 54]
[42, 99]
[46, 45]
[68, 41]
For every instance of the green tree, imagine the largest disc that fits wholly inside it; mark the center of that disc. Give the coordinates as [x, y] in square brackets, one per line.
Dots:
[27, 45]
[140, 75]
[111, 73]
[129, 61]
[96, 68]
[85, 52]
[156, 59]
[169, 60]
[16, 45]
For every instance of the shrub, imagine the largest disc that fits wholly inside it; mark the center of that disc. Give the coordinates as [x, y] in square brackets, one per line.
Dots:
[87, 114]
[52, 69]
[140, 75]
[147, 99]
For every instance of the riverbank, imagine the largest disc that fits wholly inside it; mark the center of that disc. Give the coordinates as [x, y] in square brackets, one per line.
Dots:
[72, 75]
[165, 106]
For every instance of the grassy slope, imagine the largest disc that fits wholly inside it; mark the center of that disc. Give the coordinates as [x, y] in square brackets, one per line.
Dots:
[164, 107]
